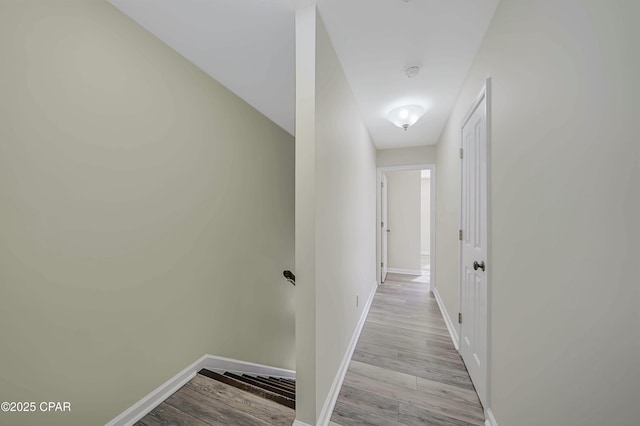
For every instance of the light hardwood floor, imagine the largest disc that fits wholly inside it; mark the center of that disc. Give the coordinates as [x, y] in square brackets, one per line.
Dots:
[405, 369]
[206, 402]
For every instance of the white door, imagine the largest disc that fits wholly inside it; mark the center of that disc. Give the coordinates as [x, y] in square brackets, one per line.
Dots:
[473, 273]
[384, 229]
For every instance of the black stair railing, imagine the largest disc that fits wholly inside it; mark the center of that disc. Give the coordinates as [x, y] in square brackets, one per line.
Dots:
[288, 275]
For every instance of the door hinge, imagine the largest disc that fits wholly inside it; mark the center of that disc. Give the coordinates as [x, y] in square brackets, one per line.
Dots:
[459, 318]
[381, 184]
[460, 234]
[461, 153]
[381, 224]
[382, 264]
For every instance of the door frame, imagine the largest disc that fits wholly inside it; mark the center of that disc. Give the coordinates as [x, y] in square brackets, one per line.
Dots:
[485, 94]
[384, 227]
[432, 243]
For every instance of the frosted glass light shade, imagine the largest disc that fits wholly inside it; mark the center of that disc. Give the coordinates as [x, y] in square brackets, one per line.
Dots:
[405, 116]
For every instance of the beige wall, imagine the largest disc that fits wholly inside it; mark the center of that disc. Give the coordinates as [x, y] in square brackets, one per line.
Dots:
[565, 168]
[425, 215]
[406, 156]
[403, 207]
[147, 214]
[337, 172]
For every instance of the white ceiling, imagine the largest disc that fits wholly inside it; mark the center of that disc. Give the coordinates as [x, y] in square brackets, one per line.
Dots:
[248, 46]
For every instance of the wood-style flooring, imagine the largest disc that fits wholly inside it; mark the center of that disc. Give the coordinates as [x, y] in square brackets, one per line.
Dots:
[405, 369]
[207, 402]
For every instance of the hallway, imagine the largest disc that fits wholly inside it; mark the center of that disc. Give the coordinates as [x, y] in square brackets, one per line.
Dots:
[405, 369]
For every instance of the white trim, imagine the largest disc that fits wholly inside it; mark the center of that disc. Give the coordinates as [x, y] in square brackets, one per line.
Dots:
[447, 319]
[479, 98]
[153, 399]
[432, 254]
[489, 114]
[425, 166]
[404, 271]
[214, 363]
[425, 253]
[299, 423]
[221, 364]
[491, 420]
[334, 391]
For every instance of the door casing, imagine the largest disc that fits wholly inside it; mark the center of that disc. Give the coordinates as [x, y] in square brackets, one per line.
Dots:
[384, 228]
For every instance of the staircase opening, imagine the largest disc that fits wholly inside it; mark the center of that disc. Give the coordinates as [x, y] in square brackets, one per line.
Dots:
[228, 398]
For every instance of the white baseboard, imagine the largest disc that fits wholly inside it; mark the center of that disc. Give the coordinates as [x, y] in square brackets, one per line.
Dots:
[210, 362]
[299, 423]
[447, 319]
[334, 391]
[221, 364]
[491, 420]
[404, 271]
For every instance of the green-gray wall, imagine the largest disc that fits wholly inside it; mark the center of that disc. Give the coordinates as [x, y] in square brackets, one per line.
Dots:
[146, 215]
[565, 170]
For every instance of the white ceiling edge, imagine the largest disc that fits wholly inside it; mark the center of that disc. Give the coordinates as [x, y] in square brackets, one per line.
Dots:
[247, 46]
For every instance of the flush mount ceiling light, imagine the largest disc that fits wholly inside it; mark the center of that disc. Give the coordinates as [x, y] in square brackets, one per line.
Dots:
[405, 116]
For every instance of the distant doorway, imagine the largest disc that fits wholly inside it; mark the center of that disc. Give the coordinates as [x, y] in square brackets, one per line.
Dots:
[406, 206]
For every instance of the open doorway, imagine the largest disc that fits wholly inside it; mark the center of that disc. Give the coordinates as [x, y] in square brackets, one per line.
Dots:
[406, 216]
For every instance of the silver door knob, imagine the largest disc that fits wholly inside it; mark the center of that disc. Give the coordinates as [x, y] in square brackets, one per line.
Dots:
[477, 265]
[388, 230]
